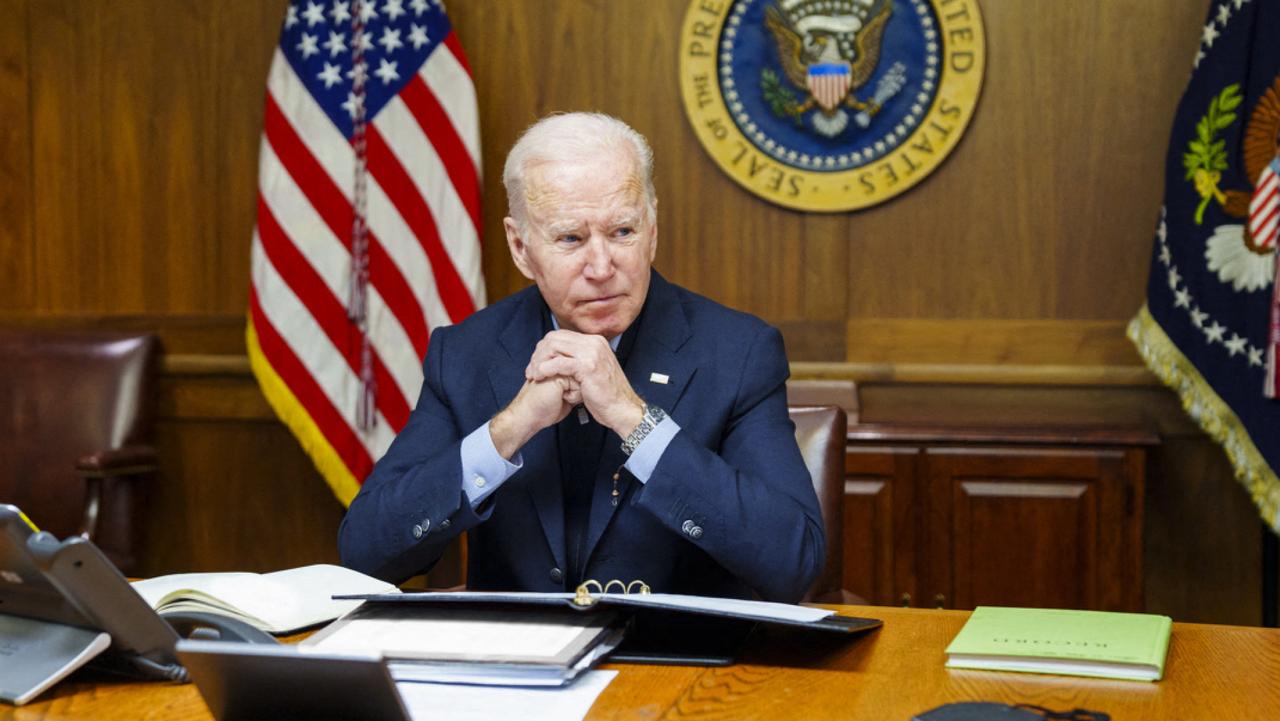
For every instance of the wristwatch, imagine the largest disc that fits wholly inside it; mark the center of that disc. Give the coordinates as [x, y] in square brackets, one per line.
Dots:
[653, 415]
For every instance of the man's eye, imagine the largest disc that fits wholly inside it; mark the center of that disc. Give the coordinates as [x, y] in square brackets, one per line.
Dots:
[569, 239]
[624, 232]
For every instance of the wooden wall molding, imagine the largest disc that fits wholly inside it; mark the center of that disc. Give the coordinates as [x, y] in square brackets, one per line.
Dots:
[978, 373]
[990, 341]
[983, 351]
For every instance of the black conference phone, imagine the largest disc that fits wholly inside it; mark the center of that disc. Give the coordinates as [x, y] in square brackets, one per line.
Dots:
[52, 584]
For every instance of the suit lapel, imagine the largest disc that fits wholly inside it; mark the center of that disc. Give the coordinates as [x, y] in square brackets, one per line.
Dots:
[541, 461]
[655, 357]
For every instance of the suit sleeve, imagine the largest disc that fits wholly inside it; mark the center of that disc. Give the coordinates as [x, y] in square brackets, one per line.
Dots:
[412, 505]
[750, 504]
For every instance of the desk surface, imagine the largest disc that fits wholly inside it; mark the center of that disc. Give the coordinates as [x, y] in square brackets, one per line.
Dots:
[1213, 672]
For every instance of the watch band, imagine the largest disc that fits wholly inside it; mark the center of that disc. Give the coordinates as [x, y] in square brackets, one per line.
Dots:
[653, 415]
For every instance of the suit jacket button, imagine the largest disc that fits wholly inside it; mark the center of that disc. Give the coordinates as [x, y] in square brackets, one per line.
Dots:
[445, 524]
[557, 576]
[696, 532]
[417, 531]
[687, 526]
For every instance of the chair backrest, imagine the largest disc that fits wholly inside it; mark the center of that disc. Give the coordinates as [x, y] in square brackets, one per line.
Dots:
[65, 395]
[820, 432]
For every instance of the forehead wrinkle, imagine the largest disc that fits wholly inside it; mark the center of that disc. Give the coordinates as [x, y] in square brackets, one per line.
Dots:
[551, 211]
[545, 178]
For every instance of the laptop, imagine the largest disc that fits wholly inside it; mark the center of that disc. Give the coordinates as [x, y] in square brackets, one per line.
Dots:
[254, 682]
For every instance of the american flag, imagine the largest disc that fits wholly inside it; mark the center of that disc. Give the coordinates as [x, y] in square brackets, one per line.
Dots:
[368, 232]
[1264, 207]
[1204, 330]
[1264, 228]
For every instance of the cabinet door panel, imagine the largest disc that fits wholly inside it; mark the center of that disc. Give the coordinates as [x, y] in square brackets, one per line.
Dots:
[879, 531]
[1022, 543]
[1029, 527]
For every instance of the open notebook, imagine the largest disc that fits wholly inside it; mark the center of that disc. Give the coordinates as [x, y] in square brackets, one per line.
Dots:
[279, 602]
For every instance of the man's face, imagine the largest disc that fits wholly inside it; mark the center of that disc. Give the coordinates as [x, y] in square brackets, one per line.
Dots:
[588, 244]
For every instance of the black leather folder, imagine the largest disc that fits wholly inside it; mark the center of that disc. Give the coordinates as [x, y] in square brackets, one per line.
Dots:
[661, 628]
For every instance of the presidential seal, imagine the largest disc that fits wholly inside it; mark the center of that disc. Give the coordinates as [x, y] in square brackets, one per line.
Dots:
[830, 105]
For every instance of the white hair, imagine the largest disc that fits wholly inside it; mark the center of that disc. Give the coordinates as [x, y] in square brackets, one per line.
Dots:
[562, 137]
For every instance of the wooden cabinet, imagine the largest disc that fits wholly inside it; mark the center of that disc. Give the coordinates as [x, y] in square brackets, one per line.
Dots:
[956, 518]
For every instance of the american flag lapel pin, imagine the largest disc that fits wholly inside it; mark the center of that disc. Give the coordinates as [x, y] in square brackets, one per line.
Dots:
[659, 378]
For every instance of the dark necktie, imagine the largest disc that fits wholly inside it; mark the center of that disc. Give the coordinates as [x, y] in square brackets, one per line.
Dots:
[580, 445]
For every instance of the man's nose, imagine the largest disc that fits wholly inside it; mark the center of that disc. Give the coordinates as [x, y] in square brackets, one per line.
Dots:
[599, 261]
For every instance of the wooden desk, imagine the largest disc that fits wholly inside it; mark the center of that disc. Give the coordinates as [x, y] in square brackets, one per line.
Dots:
[1217, 673]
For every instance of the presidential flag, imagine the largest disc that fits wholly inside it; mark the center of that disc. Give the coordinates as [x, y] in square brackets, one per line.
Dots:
[1206, 327]
[368, 232]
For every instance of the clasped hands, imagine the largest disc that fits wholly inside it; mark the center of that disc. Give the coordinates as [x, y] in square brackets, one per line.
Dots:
[565, 370]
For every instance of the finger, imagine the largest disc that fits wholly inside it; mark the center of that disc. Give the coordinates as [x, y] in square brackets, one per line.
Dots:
[566, 342]
[558, 366]
[540, 354]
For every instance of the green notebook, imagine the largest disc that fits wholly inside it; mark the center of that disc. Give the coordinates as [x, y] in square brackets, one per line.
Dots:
[1075, 643]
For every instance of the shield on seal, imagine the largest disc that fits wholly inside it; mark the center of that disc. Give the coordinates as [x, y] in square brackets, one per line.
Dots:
[829, 83]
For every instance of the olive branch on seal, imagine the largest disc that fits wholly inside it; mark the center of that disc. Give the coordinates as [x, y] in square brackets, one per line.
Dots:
[780, 100]
[1207, 155]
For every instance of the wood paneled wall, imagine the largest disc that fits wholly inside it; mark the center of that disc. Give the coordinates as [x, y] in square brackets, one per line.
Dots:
[131, 131]
[128, 149]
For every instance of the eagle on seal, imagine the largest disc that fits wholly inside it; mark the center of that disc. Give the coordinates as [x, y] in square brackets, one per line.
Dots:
[829, 57]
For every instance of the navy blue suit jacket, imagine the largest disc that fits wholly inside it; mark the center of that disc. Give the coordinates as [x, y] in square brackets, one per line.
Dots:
[733, 470]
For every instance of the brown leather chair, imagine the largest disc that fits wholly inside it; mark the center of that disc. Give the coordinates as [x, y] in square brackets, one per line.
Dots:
[75, 411]
[821, 431]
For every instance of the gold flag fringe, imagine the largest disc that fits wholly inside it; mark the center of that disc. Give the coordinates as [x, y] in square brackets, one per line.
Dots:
[1206, 408]
[299, 422]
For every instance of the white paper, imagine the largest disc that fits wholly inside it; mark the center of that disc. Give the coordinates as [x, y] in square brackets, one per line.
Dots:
[446, 702]
[502, 675]
[763, 610]
[445, 637]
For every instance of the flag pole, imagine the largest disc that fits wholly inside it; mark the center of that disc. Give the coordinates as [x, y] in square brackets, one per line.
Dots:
[1270, 557]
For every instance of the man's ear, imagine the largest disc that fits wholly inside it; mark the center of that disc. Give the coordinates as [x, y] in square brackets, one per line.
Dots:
[518, 247]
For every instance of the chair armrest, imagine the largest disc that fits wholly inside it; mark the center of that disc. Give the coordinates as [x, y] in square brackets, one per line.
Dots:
[124, 461]
[118, 463]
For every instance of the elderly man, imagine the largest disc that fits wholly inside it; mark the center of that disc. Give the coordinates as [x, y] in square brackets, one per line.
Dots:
[602, 424]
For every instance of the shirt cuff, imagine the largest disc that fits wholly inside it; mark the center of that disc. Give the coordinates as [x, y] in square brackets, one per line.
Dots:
[483, 468]
[646, 455]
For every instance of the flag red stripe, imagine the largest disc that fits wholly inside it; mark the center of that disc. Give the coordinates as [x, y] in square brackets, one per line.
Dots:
[436, 125]
[304, 387]
[1263, 228]
[1269, 179]
[1270, 212]
[1261, 202]
[328, 312]
[1266, 190]
[451, 41]
[333, 207]
[399, 187]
